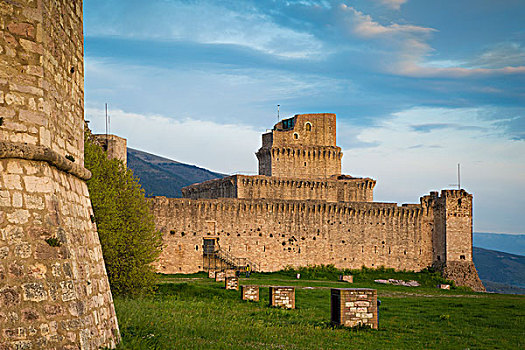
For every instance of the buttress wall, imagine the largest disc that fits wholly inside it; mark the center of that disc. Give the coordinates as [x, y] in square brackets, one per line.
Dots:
[275, 234]
[54, 291]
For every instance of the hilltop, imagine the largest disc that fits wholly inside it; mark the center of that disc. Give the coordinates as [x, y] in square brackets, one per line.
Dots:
[165, 177]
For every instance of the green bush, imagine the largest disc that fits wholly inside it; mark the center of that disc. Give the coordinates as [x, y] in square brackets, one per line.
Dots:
[125, 224]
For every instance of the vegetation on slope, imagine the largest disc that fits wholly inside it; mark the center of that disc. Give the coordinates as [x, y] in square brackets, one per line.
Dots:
[164, 177]
[125, 224]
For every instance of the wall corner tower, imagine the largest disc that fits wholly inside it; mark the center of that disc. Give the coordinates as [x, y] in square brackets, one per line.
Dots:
[452, 238]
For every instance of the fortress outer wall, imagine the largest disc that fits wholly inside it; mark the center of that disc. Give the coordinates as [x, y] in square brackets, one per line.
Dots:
[276, 234]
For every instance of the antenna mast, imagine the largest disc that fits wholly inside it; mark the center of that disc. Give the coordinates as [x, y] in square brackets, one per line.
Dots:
[107, 124]
[278, 113]
[459, 177]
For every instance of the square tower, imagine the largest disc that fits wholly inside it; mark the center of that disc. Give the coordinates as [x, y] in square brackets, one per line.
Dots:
[303, 146]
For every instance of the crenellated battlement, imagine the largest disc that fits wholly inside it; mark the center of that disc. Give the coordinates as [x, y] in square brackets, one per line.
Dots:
[334, 189]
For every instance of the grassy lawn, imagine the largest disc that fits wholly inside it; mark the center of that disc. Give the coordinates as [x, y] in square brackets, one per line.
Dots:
[194, 312]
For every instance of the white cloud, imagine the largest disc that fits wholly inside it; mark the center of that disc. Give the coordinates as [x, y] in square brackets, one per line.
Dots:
[395, 4]
[225, 148]
[363, 25]
[409, 163]
[209, 23]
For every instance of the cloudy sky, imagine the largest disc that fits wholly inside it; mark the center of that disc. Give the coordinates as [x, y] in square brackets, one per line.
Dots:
[418, 86]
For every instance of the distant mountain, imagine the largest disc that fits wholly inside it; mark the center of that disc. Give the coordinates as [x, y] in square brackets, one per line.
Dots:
[513, 244]
[500, 272]
[165, 177]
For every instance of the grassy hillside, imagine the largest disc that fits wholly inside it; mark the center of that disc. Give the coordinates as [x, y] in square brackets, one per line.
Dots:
[194, 312]
[164, 177]
[498, 268]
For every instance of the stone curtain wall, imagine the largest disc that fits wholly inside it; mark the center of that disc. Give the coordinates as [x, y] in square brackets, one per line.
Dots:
[275, 233]
[247, 187]
[54, 291]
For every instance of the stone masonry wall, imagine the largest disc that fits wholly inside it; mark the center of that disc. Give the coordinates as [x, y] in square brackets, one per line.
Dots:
[275, 233]
[51, 294]
[114, 146]
[347, 189]
[54, 291]
[42, 75]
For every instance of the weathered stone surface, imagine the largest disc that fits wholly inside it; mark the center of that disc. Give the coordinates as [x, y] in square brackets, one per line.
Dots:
[45, 226]
[249, 292]
[282, 297]
[351, 307]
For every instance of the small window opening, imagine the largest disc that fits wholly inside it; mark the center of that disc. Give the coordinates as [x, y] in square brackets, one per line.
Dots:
[295, 136]
[462, 257]
[308, 126]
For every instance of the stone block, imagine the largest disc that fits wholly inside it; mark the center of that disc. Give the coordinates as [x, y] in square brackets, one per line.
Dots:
[283, 297]
[231, 283]
[352, 307]
[250, 292]
[220, 276]
[346, 278]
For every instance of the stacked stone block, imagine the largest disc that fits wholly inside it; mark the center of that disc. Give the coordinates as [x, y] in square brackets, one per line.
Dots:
[249, 292]
[54, 291]
[346, 278]
[231, 283]
[211, 274]
[351, 307]
[220, 276]
[283, 297]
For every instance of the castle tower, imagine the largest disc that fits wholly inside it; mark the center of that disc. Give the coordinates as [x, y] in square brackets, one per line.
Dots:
[115, 146]
[452, 238]
[302, 147]
[54, 291]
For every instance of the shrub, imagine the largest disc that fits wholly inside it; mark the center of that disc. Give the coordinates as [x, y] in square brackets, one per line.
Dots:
[125, 224]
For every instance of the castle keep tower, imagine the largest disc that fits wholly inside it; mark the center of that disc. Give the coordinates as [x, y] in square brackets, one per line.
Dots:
[54, 291]
[303, 146]
[298, 160]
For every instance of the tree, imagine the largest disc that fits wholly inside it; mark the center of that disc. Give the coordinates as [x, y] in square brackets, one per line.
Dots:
[124, 221]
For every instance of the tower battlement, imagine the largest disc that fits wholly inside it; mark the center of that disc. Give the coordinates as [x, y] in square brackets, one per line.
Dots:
[302, 146]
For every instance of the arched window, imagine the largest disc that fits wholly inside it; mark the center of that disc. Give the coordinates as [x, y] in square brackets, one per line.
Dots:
[308, 126]
[295, 136]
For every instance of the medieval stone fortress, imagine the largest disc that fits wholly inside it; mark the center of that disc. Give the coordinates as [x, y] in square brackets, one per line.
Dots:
[54, 291]
[300, 210]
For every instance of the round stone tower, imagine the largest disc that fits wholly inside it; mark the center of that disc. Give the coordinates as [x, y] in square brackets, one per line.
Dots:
[54, 291]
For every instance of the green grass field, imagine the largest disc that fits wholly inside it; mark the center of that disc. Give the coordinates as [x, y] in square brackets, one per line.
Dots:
[194, 312]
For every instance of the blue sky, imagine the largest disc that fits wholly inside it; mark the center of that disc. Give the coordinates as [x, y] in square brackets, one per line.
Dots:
[418, 86]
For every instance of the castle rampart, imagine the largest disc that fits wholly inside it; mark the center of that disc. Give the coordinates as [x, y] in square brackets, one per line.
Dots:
[276, 233]
[54, 291]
